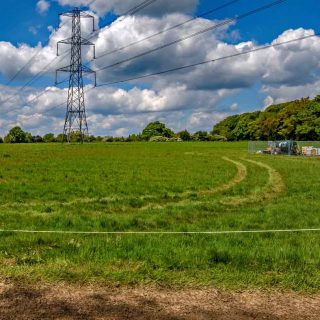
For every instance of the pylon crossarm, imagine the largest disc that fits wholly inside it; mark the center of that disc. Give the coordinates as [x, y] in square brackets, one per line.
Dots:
[83, 68]
[81, 15]
[83, 42]
[64, 69]
[66, 14]
[86, 15]
[86, 69]
[86, 42]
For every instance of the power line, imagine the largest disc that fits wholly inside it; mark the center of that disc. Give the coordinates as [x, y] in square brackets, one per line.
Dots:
[130, 11]
[30, 61]
[227, 22]
[184, 67]
[209, 61]
[33, 79]
[139, 7]
[91, 3]
[203, 62]
[206, 13]
[133, 10]
[199, 64]
[125, 15]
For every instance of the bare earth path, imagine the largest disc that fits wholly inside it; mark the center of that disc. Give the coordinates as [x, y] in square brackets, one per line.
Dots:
[70, 302]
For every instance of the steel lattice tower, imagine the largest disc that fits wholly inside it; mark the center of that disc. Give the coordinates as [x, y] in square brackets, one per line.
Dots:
[76, 121]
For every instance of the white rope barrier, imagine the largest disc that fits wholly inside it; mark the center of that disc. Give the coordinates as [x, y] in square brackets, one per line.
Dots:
[230, 232]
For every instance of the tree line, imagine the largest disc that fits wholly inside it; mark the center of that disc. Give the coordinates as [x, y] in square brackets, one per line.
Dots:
[154, 131]
[295, 120]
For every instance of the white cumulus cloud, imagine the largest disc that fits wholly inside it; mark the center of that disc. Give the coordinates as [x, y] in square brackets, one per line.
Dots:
[43, 6]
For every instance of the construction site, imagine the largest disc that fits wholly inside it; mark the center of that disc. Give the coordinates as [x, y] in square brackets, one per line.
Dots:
[285, 147]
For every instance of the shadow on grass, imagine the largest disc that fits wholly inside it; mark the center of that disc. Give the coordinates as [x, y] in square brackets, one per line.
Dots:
[29, 303]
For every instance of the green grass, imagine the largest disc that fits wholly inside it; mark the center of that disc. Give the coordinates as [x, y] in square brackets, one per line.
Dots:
[158, 187]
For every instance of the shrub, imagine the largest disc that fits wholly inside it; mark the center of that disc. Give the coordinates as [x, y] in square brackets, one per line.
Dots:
[49, 137]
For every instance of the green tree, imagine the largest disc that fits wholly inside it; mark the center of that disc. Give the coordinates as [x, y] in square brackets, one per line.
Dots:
[16, 135]
[133, 138]
[99, 139]
[296, 120]
[184, 135]
[91, 138]
[61, 137]
[37, 139]
[225, 127]
[155, 129]
[108, 139]
[201, 136]
[75, 137]
[1, 140]
[29, 138]
[48, 138]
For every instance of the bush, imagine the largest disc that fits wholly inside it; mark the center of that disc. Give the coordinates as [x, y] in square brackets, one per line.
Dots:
[49, 137]
[184, 135]
[37, 139]
[1, 140]
[216, 137]
[61, 137]
[156, 129]
[158, 139]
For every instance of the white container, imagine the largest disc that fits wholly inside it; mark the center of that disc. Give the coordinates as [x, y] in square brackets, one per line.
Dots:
[309, 151]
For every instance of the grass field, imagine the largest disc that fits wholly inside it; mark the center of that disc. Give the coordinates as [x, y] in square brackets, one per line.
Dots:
[159, 187]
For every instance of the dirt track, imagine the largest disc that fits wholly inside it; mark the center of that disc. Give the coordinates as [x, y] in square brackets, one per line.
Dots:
[66, 302]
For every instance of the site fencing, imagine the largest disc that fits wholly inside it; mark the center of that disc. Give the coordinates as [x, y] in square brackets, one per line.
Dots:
[285, 147]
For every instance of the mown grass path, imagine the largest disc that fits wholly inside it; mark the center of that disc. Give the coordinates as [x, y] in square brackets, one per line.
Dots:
[272, 189]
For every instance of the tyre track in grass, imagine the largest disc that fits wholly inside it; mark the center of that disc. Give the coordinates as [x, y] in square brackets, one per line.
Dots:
[184, 196]
[274, 187]
[271, 190]
[240, 176]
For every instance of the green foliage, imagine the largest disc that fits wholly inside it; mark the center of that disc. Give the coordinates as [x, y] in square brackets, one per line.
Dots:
[29, 138]
[61, 137]
[106, 139]
[99, 139]
[201, 136]
[49, 137]
[296, 120]
[134, 138]
[17, 135]
[216, 137]
[158, 139]
[91, 138]
[37, 139]
[157, 128]
[75, 137]
[184, 135]
[1, 140]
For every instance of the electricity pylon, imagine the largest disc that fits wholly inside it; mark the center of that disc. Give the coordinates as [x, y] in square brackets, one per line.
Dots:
[76, 121]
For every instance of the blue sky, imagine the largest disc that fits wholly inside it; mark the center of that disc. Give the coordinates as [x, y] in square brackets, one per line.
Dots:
[23, 23]
[21, 15]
